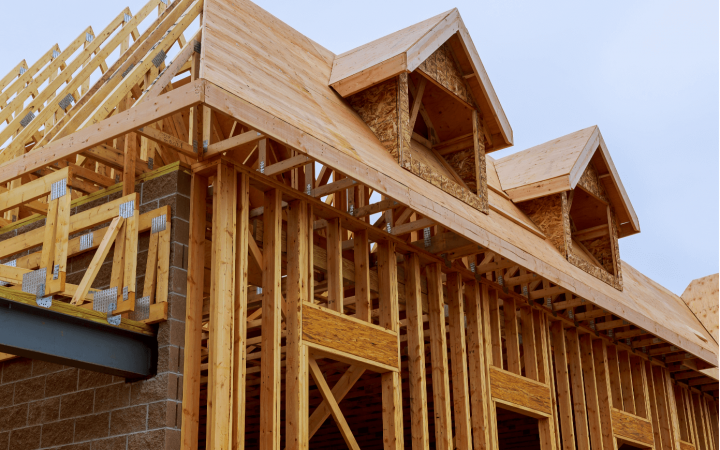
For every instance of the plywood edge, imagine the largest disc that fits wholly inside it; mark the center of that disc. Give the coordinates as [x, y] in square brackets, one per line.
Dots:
[619, 186]
[433, 39]
[487, 87]
[371, 76]
[539, 189]
[584, 157]
[321, 351]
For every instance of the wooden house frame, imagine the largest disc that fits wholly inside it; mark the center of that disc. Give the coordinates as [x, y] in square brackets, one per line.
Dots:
[354, 250]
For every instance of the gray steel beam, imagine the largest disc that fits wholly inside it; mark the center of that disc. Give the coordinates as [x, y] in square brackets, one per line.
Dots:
[39, 333]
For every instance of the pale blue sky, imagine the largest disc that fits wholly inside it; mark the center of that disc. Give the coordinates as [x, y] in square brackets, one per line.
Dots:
[645, 72]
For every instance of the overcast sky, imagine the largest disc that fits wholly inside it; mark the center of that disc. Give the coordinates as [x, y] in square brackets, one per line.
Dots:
[645, 72]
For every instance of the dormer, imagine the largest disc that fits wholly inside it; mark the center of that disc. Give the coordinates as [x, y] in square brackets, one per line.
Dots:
[424, 93]
[569, 187]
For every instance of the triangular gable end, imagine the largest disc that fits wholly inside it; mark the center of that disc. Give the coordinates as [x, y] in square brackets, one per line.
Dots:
[409, 49]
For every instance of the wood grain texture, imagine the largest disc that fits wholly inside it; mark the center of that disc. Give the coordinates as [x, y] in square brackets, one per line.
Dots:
[632, 427]
[351, 336]
[520, 391]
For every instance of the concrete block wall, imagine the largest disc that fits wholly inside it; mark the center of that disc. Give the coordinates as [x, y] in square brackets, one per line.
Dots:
[48, 406]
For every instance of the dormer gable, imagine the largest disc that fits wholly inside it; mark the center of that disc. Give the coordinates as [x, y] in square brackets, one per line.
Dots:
[569, 187]
[428, 115]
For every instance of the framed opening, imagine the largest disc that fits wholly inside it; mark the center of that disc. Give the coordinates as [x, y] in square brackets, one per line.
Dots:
[517, 431]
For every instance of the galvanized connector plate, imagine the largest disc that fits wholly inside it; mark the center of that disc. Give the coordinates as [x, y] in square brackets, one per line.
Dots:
[27, 119]
[197, 46]
[159, 58]
[89, 37]
[127, 209]
[151, 163]
[66, 101]
[86, 241]
[427, 237]
[58, 189]
[56, 53]
[105, 302]
[142, 308]
[127, 71]
[158, 224]
[32, 280]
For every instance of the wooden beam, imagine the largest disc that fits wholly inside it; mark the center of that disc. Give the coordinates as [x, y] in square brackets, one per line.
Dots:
[193, 314]
[271, 316]
[479, 356]
[562, 378]
[339, 391]
[582, 434]
[412, 226]
[389, 318]
[168, 140]
[416, 353]
[439, 362]
[512, 342]
[604, 392]
[595, 424]
[249, 137]
[220, 409]
[363, 300]
[334, 266]
[417, 102]
[458, 356]
[298, 291]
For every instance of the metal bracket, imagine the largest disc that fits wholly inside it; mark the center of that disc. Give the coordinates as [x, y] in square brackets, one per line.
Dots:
[127, 17]
[126, 293]
[427, 237]
[388, 227]
[308, 189]
[197, 46]
[206, 144]
[27, 119]
[66, 101]
[89, 37]
[159, 58]
[262, 167]
[58, 189]
[158, 224]
[56, 272]
[352, 210]
[151, 163]
[525, 291]
[22, 71]
[43, 302]
[142, 308]
[127, 209]
[86, 241]
[55, 53]
[127, 71]
[105, 301]
[32, 280]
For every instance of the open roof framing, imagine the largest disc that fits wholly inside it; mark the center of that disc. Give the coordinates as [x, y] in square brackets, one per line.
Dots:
[356, 153]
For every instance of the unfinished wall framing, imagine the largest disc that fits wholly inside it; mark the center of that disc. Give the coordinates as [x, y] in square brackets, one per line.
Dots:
[339, 264]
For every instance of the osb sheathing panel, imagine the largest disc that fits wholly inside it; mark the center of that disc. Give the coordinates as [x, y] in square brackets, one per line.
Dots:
[378, 107]
[590, 181]
[602, 251]
[463, 162]
[385, 109]
[547, 214]
[442, 67]
[701, 296]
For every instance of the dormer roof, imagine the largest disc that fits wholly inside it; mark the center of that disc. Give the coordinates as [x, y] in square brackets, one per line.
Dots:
[558, 165]
[405, 50]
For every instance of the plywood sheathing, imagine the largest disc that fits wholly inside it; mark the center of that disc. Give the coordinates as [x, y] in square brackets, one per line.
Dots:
[291, 116]
[547, 214]
[378, 107]
[405, 50]
[702, 298]
[442, 67]
[590, 181]
[558, 165]
[385, 108]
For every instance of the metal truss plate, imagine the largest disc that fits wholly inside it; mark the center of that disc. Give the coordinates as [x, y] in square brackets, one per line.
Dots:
[106, 300]
[66, 101]
[151, 163]
[56, 271]
[125, 293]
[86, 241]
[27, 119]
[89, 37]
[159, 58]
[127, 71]
[427, 237]
[58, 189]
[142, 308]
[127, 209]
[32, 280]
[55, 54]
[22, 71]
[127, 17]
[158, 224]
[197, 46]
